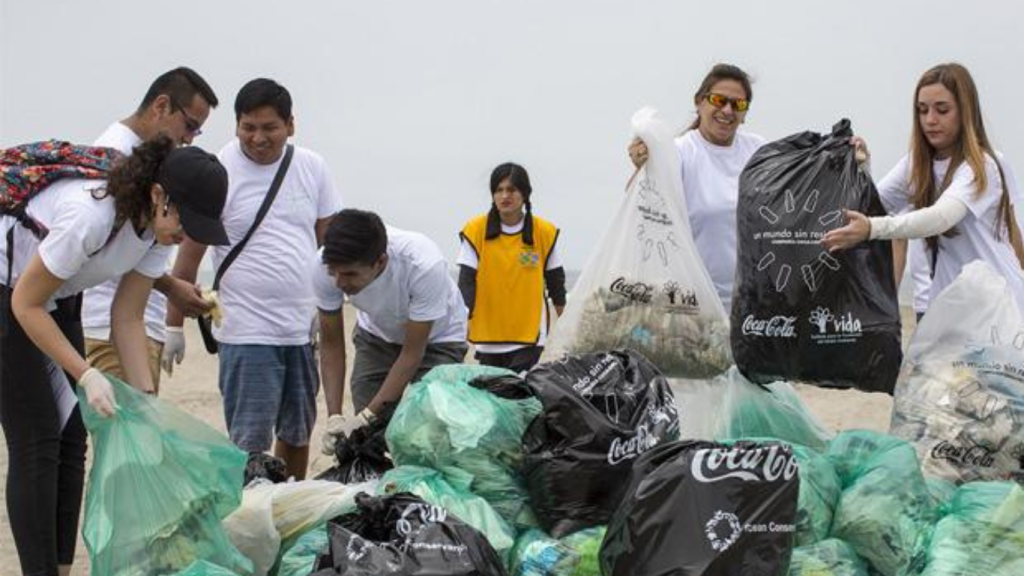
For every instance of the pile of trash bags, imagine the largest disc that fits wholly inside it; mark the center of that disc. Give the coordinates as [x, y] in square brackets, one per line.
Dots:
[850, 504]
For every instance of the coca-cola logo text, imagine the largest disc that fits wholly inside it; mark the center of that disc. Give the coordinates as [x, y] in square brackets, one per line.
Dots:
[964, 455]
[635, 291]
[765, 464]
[622, 450]
[774, 327]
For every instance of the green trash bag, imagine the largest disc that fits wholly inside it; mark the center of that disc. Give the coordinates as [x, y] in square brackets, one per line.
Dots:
[747, 410]
[449, 491]
[830, 557]
[886, 510]
[981, 533]
[160, 484]
[587, 545]
[819, 493]
[204, 568]
[447, 424]
[298, 560]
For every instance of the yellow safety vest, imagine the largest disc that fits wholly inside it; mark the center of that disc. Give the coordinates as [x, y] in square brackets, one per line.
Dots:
[509, 283]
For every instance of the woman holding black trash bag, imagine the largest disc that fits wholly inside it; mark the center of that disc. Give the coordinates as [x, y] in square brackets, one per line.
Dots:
[955, 184]
[69, 236]
[714, 152]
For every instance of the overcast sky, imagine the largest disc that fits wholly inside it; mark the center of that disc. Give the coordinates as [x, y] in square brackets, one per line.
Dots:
[413, 103]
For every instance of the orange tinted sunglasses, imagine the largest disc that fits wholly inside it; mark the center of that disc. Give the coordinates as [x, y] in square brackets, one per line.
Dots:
[719, 101]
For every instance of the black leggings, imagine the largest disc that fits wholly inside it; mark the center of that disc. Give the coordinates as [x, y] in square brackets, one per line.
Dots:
[46, 464]
[519, 360]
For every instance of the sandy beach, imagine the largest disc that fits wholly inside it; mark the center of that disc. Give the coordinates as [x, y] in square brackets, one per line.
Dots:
[193, 388]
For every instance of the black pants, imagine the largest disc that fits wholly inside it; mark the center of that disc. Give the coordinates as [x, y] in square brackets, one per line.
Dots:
[517, 361]
[46, 463]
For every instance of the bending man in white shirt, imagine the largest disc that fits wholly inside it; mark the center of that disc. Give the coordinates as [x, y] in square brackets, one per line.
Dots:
[411, 316]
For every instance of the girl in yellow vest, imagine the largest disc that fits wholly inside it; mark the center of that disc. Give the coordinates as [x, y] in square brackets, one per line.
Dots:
[508, 267]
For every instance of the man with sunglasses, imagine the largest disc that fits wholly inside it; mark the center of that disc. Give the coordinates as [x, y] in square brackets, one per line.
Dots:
[713, 153]
[177, 104]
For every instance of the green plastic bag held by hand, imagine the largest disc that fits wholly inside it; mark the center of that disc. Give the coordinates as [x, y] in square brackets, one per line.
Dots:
[160, 484]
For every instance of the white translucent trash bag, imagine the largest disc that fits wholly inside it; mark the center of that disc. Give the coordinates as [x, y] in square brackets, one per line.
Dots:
[645, 287]
[960, 395]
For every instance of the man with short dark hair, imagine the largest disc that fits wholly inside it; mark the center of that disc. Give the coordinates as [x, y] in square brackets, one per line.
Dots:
[411, 316]
[268, 375]
[176, 105]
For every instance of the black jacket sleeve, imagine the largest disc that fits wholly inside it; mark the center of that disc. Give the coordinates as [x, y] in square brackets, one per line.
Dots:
[467, 285]
[555, 281]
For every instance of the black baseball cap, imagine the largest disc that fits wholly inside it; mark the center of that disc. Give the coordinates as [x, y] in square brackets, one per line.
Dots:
[197, 183]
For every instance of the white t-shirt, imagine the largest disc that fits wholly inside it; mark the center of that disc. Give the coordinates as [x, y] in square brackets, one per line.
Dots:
[976, 239]
[918, 256]
[79, 249]
[267, 294]
[97, 301]
[415, 286]
[711, 176]
[468, 257]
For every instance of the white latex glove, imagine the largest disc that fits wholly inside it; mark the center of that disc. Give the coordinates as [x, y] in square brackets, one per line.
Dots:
[174, 348]
[340, 428]
[335, 427]
[98, 392]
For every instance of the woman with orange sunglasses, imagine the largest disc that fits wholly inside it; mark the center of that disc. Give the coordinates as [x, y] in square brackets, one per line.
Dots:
[714, 152]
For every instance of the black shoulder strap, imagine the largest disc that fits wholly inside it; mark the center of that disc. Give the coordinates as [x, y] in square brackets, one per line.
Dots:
[264, 208]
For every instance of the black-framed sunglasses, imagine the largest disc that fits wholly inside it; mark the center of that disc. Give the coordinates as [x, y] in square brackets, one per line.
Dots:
[720, 100]
[193, 126]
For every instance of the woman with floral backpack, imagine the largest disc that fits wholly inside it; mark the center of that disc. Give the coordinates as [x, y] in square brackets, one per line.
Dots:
[58, 238]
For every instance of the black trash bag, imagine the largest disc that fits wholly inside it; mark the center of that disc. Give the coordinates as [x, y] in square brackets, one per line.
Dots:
[601, 411]
[403, 535]
[799, 312]
[363, 455]
[706, 508]
[509, 387]
[266, 467]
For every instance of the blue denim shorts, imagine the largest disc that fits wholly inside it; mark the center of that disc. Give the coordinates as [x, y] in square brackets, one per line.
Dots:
[268, 391]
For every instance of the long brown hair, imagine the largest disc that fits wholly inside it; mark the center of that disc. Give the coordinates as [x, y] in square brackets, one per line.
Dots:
[972, 147]
[718, 73]
[132, 178]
